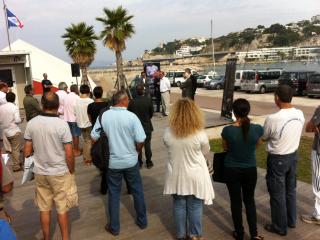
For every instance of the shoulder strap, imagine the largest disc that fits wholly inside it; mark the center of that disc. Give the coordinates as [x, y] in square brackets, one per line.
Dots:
[100, 119]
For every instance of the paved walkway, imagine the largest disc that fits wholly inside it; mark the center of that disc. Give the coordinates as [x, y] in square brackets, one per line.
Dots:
[89, 219]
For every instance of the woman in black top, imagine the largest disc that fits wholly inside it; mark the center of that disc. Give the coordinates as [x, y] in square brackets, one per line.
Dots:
[94, 110]
[240, 141]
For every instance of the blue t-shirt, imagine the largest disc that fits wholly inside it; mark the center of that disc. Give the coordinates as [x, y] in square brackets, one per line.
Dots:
[241, 153]
[124, 130]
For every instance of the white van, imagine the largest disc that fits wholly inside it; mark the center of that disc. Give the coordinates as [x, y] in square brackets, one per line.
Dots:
[240, 76]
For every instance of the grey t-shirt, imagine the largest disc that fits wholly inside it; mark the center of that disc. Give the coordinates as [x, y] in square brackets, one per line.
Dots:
[48, 135]
[316, 122]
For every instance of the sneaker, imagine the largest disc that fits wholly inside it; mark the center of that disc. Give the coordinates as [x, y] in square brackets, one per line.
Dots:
[310, 219]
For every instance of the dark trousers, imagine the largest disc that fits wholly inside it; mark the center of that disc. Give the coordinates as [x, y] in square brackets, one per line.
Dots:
[158, 101]
[132, 175]
[147, 149]
[281, 183]
[241, 184]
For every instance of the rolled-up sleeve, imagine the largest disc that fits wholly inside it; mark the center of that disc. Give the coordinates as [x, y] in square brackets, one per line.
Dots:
[266, 130]
[139, 134]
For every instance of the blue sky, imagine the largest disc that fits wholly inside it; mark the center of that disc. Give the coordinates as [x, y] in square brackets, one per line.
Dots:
[155, 21]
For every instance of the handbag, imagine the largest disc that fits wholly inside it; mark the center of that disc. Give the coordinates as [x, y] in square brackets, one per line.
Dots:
[100, 149]
[28, 170]
[218, 167]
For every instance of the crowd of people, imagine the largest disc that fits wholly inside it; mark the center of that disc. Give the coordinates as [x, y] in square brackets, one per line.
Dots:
[54, 127]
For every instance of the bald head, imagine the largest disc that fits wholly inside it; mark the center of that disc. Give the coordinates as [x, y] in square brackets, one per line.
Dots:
[50, 102]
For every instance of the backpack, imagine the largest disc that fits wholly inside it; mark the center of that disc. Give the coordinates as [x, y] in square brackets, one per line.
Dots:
[100, 149]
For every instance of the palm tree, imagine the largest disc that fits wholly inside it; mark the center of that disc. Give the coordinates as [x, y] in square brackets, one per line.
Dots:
[117, 29]
[81, 47]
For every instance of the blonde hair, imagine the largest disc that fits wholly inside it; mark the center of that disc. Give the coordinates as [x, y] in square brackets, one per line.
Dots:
[185, 118]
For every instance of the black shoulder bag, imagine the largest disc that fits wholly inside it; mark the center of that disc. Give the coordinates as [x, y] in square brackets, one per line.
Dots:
[218, 167]
[100, 149]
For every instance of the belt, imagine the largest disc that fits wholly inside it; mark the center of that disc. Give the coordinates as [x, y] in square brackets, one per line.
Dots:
[283, 155]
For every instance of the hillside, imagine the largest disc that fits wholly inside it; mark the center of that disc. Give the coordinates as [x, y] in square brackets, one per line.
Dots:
[301, 33]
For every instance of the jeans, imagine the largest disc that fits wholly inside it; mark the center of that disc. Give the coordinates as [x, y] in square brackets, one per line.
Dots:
[241, 183]
[147, 149]
[134, 181]
[281, 183]
[187, 211]
[315, 158]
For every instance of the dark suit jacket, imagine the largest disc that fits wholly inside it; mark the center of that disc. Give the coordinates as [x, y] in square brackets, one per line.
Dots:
[187, 88]
[142, 106]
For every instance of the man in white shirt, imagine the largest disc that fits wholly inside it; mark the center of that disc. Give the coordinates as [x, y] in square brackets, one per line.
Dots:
[165, 93]
[83, 121]
[282, 132]
[69, 116]
[3, 91]
[62, 93]
[9, 120]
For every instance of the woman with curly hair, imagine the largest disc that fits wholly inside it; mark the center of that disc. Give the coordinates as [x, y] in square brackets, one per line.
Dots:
[187, 179]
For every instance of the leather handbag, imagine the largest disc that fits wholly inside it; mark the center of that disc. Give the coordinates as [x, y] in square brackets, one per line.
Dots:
[218, 167]
[100, 149]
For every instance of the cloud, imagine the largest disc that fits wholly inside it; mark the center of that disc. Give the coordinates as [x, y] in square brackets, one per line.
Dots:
[155, 21]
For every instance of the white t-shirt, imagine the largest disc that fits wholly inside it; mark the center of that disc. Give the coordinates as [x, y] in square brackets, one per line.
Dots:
[81, 112]
[48, 135]
[282, 131]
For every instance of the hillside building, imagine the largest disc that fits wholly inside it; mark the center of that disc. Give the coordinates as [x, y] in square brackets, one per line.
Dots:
[315, 18]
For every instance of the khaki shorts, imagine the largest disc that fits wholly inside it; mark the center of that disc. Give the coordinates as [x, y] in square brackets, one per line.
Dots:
[60, 190]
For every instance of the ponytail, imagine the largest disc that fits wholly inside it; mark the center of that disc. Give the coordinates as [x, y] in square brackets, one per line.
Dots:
[245, 126]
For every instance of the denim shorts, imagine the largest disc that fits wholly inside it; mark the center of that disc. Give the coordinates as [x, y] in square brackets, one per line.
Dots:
[75, 130]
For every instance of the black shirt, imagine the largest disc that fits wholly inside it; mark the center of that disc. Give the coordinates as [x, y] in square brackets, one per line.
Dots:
[48, 83]
[95, 108]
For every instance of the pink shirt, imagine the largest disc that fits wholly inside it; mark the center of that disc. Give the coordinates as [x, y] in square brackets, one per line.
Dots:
[68, 107]
[61, 94]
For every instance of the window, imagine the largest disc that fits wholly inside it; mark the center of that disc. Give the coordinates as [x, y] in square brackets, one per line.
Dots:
[178, 74]
[6, 76]
[303, 76]
[315, 79]
[238, 76]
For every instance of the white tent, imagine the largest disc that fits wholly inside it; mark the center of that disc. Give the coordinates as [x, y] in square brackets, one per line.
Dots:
[43, 62]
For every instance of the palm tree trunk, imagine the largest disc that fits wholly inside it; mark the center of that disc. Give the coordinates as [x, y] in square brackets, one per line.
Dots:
[120, 75]
[84, 73]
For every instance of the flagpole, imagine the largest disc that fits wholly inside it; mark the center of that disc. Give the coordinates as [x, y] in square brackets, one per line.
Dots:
[6, 20]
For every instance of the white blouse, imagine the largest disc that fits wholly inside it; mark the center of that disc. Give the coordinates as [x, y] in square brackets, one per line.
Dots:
[187, 171]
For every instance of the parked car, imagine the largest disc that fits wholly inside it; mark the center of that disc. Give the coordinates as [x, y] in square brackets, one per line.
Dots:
[216, 83]
[297, 80]
[264, 81]
[242, 75]
[202, 79]
[313, 85]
